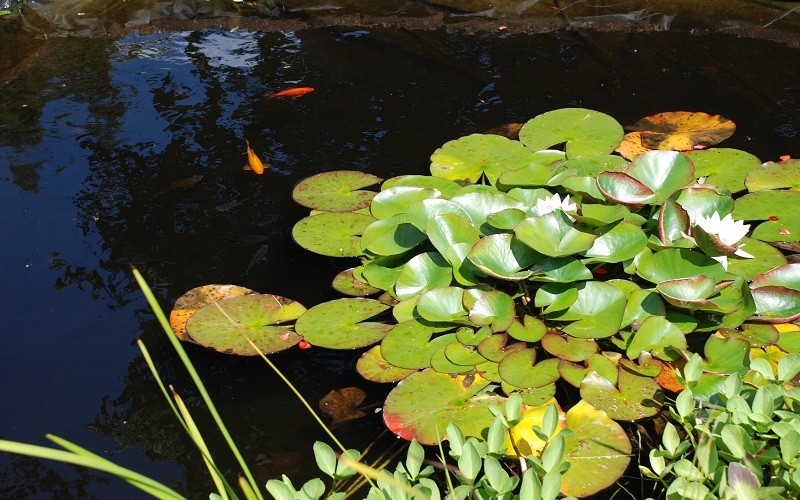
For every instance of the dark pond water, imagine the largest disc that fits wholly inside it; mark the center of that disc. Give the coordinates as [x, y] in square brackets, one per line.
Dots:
[94, 133]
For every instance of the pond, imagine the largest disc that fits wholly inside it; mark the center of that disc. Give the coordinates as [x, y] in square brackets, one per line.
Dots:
[99, 134]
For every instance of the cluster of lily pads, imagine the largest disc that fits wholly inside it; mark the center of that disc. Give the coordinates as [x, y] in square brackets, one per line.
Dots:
[518, 264]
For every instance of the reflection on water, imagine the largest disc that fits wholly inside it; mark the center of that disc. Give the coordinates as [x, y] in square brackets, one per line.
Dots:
[93, 136]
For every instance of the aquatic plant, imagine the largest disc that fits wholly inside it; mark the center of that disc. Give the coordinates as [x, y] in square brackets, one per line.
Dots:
[515, 265]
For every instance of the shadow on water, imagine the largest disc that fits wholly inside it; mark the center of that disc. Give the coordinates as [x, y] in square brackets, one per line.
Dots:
[94, 135]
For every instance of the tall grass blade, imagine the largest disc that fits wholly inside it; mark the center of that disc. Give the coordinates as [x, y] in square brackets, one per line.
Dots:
[176, 344]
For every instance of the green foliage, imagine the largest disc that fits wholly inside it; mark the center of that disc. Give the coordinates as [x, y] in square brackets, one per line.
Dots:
[744, 442]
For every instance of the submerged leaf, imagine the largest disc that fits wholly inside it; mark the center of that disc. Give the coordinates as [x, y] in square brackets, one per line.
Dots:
[343, 404]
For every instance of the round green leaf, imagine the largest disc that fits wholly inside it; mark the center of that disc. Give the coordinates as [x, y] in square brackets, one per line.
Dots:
[704, 200]
[444, 186]
[520, 369]
[423, 272]
[596, 313]
[481, 204]
[409, 345]
[496, 347]
[383, 272]
[531, 329]
[425, 403]
[423, 211]
[574, 373]
[226, 324]
[391, 236]
[373, 367]
[622, 241]
[723, 167]
[597, 444]
[560, 270]
[654, 335]
[777, 304]
[396, 200]
[765, 257]
[584, 131]
[442, 364]
[663, 172]
[345, 282]
[569, 348]
[453, 237]
[726, 356]
[787, 276]
[676, 263]
[332, 234]
[493, 308]
[464, 160]
[553, 234]
[461, 354]
[620, 187]
[532, 396]
[337, 191]
[503, 256]
[780, 210]
[339, 324]
[634, 397]
[443, 304]
[775, 175]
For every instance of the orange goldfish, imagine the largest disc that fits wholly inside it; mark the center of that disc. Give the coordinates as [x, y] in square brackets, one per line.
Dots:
[291, 92]
[253, 161]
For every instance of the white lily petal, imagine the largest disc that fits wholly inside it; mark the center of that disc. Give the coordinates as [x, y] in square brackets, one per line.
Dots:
[741, 253]
[722, 259]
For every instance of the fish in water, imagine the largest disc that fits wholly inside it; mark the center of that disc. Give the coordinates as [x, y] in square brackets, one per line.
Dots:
[293, 92]
[253, 161]
[244, 238]
[184, 183]
[227, 207]
[257, 256]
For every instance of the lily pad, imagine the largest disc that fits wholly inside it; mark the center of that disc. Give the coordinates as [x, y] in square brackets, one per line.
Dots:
[682, 130]
[425, 403]
[453, 236]
[343, 404]
[597, 312]
[634, 397]
[655, 335]
[726, 356]
[444, 186]
[493, 308]
[598, 451]
[569, 348]
[780, 210]
[775, 175]
[496, 347]
[526, 441]
[677, 263]
[723, 167]
[189, 303]
[617, 242]
[520, 369]
[339, 324]
[423, 211]
[554, 234]
[443, 304]
[337, 191]
[461, 354]
[503, 256]
[530, 329]
[701, 199]
[396, 200]
[533, 396]
[659, 172]
[585, 132]
[332, 234]
[409, 345]
[226, 324]
[574, 373]
[391, 236]
[423, 272]
[464, 160]
[346, 283]
[373, 367]
[765, 257]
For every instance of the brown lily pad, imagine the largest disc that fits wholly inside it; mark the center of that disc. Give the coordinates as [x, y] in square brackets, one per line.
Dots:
[682, 130]
[343, 404]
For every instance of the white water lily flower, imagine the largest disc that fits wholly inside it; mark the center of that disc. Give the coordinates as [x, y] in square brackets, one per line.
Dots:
[728, 231]
[553, 203]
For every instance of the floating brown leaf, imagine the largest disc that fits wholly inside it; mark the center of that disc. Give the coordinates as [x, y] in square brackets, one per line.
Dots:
[188, 303]
[342, 404]
[682, 130]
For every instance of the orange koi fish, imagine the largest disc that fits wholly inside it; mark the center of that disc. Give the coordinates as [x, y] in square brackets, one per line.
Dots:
[253, 161]
[293, 92]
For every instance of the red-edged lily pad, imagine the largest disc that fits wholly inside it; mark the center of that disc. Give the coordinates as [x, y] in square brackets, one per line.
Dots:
[373, 367]
[189, 303]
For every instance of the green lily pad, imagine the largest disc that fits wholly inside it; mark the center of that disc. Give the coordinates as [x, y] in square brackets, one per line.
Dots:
[481, 204]
[765, 257]
[787, 275]
[465, 355]
[687, 292]
[598, 451]
[339, 324]
[530, 329]
[617, 242]
[488, 370]
[442, 364]
[345, 282]
[755, 334]
[532, 396]
[677, 263]
[496, 347]
[723, 167]
[569, 348]
[574, 373]
[596, 215]
[641, 305]
[464, 160]
[226, 324]
[423, 272]
[425, 403]
[775, 175]
[445, 304]
[382, 272]
[556, 296]
[596, 313]
[493, 308]
[396, 200]
[634, 397]
[553, 234]
[520, 369]
[584, 131]
[423, 211]
[505, 220]
[472, 336]
[453, 237]
[409, 345]
[503, 256]
[337, 191]
[780, 210]
[188, 303]
[332, 234]
[673, 222]
[662, 173]
[704, 200]
[373, 367]
[655, 335]
[406, 310]
[560, 270]
[726, 356]
[777, 304]
[391, 236]
[444, 186]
